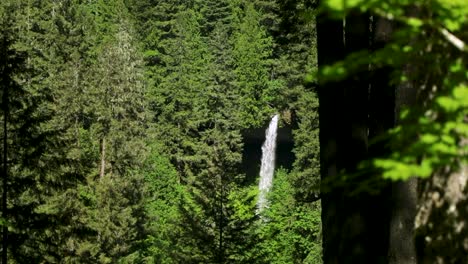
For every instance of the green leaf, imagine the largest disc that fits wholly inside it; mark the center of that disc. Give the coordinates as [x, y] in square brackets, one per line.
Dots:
[414, 22]
[448, 104]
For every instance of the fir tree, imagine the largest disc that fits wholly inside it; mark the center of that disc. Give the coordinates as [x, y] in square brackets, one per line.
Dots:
[216, 14]
[252, 48]
[292, 231]
[164, 195]
[37, 146]
[211, 69]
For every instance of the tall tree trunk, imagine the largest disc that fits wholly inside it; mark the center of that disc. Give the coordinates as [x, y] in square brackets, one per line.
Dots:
[102, 169]
[404, 198]
[355, 226]
[6, 82]
[441, 218]
[330, 48]
[5, 173]
[404, 193]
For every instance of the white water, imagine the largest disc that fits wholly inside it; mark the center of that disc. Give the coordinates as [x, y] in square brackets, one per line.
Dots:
[268, 163]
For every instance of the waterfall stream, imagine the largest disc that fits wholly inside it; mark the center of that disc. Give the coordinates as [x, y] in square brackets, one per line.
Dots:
[267, 168]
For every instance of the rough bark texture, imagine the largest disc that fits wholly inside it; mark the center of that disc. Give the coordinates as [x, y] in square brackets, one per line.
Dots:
[404, 200]
[330, 49]
[441, 221]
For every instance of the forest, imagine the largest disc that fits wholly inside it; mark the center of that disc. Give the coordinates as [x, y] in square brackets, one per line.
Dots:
[142, 131]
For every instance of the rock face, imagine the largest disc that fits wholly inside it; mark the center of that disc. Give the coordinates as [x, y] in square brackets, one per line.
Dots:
[253, 140]
[441, 221]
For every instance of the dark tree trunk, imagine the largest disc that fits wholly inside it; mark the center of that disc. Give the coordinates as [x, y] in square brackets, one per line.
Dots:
[330, 48]
[404, 198]
[355, 225]
[386, 104]
[6, 82]
[5, 173]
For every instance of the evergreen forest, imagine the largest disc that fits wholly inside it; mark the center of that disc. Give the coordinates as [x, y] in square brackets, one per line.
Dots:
[132, 131]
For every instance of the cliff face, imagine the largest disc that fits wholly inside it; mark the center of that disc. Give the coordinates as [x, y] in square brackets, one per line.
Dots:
[252, 154]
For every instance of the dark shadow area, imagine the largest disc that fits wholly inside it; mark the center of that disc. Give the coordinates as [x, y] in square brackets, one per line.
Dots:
[252, 153]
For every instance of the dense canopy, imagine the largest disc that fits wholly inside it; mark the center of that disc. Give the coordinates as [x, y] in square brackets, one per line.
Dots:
[131, 131]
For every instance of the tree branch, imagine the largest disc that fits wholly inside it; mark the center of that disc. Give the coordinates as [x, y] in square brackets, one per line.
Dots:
[454, 40]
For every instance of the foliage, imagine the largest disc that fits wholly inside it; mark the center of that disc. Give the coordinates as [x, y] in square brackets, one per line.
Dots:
[441, 133]
[427, 55]
[163, 195]
[252, 49]
[433, 135]
[306, 168]
[125, 124]
[37, 147]
[289, 230]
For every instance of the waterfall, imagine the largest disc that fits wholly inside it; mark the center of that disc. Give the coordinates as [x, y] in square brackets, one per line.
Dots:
[268, 163]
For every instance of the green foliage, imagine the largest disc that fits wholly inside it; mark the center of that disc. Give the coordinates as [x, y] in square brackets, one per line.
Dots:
[252, 49]
[452, 13]
[113, 219]
[290, 230]
[125, 124]
[441, 133]
[215, 13]
[38, 157]
[163, 195]
[58, 211]
[175, 99]
[431, 137]
[306, 170]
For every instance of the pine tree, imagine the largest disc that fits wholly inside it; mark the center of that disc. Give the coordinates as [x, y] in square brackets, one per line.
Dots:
[291, 233]
[252, 49]
[216, 14]
[54, 146]
[164, 195]
[10, 65]
[270, 11]
[116, 129]
[156, 25]
[195, 110]
[36, 145]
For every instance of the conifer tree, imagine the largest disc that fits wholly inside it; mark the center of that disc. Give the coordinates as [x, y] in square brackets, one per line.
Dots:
[37, 146]
[216, 13]
[79, 132]
[252, 49]
[10, 65]
[163, 196]
[156, 25]
[291, 233]
[68, 80]
[296, 42]
[269, 19]
[116, 129]
[176, 97]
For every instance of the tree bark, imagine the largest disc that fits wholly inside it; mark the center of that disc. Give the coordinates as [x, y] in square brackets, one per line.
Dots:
[402, 247]
[404, 197]
[6, 71]
[5, 173]
[387, 102]
[355, 225]
[102, 169]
